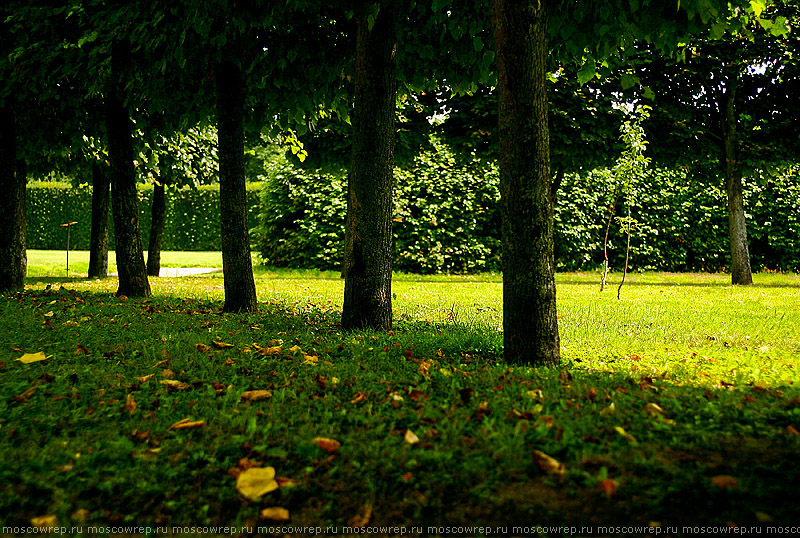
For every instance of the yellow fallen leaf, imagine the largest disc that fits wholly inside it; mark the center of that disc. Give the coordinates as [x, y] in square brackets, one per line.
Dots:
[610, 410]
[653, 409]
[275, 513]
[310, 359]
[145, 378]
[295, 349]
[328, 445]
[28, 358]
[256, 482]
[628, 437]
[253, 395]
[548, 464]
[47, 521]
[221, 345]
[80, 514]
[186, 424]
[177, 385]
[411, 438]
[725, 481]
[363, 516]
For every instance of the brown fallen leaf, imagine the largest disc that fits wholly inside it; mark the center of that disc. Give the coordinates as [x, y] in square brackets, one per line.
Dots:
[253, 395]
[177, 385]
[724, 481]
[328, 445]
[609, 486]
[275, 513]
[548, 464]
[358, 397]
[186, 424]
[25, 395]
[221, 345]
[144, 378]
[28, 358]
[202, 348]
[130, 404]
[363, 516]
[791, 430]
[256, 482]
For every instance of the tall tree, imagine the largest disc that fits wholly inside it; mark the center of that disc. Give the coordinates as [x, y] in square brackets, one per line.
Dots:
[368, 228]
[133, 280]
[729, 109]
[13, 258]
[98, 241]
[530, 321]
[240, 288]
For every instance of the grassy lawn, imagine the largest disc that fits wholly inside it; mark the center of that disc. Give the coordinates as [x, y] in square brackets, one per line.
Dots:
[676, 405]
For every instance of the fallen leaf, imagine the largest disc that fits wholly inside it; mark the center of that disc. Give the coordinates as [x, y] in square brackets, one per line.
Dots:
[763, 517]
[25, 395]
[724, 481]
[202, 348]
[425, 367]
[611, 409]
[275, 513]
[363, 516]
[295, 349]
[80, 348]
[145, 378]
[628, 437]
[791, 430]
[186, 424]
[130, 404]
[28, 358]
[310, 359]
[328, 445]
[653, 409]
[221, 345]
[80, 514]
[359, 397]
[253, 395]
[256, 482]
[286, 482]
[411, 438]
[47, 521]
[609, 486]
[548, 464]
[177, 385]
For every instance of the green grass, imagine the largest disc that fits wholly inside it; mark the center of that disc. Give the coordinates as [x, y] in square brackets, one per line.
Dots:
[719, 361]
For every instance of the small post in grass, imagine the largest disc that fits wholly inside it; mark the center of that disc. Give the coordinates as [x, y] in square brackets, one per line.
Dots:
[68, 225]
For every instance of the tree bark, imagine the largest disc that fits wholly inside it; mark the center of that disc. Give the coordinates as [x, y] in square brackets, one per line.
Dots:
[13, 257]
[368, 226]
[529, 294]
[98, 243]
[237, 265]
[159, 214]
[740, 254]
[124, 199]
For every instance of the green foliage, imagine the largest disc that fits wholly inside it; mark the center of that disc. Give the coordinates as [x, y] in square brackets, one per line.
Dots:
[192, 221]
[446, 219]
[445, 216]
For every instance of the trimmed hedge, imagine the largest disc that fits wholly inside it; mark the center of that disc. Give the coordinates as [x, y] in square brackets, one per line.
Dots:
[447, 220]
[192, 216]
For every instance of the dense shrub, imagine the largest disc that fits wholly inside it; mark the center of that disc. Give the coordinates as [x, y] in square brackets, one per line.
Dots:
[446, 219]
[192, 216]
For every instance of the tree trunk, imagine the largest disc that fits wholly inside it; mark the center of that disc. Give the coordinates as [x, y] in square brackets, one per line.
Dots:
[13, 258]
[368, 226]
[124, 199]
[237, 265]
[529, 294]
[740, 254]
[159, 214]
[98, 243]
